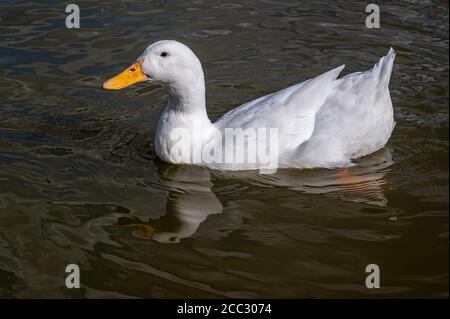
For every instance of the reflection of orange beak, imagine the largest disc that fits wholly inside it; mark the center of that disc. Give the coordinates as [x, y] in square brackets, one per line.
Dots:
[130, 76]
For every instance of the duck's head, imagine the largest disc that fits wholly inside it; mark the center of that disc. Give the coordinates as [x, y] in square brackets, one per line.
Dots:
[169, 63]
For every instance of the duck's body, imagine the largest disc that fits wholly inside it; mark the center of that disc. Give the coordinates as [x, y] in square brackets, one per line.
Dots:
[322, 122]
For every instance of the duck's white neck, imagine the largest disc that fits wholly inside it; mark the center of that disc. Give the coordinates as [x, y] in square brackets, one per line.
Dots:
[188, 98]
[186, 111]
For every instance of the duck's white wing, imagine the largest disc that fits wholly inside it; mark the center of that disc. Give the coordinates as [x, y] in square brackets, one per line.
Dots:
[292, 110]
[357, 117]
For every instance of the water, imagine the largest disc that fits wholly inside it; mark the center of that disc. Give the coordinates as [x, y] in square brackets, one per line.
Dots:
[80, 183]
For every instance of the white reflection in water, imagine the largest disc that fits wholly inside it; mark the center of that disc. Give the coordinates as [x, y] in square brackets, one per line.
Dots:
[191, 200]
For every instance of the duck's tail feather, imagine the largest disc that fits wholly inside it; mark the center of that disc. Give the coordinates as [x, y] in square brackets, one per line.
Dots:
[378, 77]
[383, 69]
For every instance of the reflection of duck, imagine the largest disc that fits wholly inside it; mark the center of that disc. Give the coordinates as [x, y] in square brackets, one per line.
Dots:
[361, 183]
[322, 122]
[189, 203]
[190, 200]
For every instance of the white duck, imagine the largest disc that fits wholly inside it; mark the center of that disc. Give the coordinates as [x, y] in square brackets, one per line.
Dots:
[322, 122]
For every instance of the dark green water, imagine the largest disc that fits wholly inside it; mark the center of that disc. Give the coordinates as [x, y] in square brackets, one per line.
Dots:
[79, 181]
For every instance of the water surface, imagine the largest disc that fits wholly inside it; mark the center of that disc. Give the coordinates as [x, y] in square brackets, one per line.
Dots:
[80, 183]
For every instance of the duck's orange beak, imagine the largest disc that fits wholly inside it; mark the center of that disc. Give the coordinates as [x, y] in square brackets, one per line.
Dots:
[133, 74]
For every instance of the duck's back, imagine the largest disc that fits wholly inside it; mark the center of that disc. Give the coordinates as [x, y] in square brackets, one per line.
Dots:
[292, 111]
[358, 114]
[325, 121]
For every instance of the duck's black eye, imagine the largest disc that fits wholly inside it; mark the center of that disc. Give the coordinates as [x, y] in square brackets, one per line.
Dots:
[164, 54]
